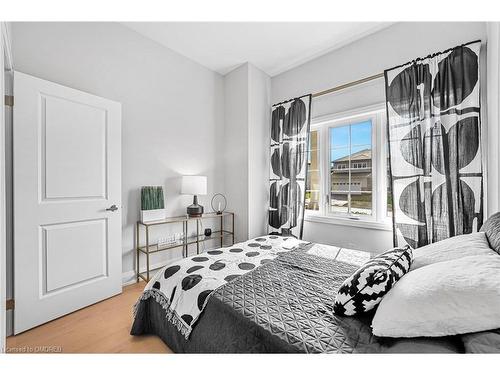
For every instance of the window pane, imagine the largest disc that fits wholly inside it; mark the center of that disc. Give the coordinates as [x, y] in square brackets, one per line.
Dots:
[339, 186]
[351, 169]
[339, 137]
[313, 177]
[361, 203]
[361, 133]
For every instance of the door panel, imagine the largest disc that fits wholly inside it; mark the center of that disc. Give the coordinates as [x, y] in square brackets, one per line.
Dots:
[83, 243]
[73, 152]
[67, 171]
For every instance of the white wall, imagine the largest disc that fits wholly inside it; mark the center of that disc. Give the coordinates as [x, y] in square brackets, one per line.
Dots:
[392, 46]
[259, 134]
[172, 109]
[236, 147]
[247, 111]
[493, 133]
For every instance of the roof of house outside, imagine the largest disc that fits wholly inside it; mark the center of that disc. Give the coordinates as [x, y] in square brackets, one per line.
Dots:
[360, 155]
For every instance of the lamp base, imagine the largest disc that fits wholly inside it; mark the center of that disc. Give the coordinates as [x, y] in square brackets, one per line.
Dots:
[195, 210]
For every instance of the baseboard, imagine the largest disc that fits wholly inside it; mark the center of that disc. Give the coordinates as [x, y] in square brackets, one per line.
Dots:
[130, 277]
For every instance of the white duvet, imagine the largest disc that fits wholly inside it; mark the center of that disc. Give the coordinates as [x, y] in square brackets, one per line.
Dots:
[183, 287]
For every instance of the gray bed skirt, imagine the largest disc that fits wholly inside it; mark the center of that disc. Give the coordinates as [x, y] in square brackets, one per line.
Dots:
[221, 330]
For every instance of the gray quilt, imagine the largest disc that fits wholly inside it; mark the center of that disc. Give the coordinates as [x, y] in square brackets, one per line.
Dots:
[292, 298]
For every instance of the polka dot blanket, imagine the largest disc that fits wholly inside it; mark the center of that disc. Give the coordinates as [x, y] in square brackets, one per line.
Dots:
[184, 287]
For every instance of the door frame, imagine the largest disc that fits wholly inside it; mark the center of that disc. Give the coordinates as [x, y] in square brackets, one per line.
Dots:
[6, 63]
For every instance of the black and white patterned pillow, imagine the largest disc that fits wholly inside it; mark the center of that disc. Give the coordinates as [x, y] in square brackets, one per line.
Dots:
[366, 287]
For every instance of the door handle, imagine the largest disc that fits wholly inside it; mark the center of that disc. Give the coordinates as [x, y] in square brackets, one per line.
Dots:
[113, 208]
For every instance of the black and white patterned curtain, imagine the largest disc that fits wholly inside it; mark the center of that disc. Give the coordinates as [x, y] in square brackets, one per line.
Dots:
[289, 145]
[434, 132]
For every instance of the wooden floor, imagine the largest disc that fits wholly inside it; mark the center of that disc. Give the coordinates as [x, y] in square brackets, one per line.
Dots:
[100, 328]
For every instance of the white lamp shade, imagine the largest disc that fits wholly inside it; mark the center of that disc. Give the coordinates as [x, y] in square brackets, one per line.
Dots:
[194, 185]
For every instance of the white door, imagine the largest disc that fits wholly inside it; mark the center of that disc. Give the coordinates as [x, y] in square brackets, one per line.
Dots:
[67, 184]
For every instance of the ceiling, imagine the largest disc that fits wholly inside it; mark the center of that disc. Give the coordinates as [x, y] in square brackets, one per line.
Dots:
[273, 47]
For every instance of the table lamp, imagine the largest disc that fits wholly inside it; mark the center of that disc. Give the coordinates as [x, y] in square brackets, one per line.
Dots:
[194, 185]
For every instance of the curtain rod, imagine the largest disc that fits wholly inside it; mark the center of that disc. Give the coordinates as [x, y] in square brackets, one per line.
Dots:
[337, 88]
[347, 85]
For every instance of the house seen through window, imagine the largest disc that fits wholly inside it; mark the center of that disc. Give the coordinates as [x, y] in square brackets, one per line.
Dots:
[348, 167]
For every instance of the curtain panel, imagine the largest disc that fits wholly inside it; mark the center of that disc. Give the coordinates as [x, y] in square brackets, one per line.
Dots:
[290, 122]
[434, 134]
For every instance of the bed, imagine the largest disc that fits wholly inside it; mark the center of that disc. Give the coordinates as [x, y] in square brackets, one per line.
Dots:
[284, 305]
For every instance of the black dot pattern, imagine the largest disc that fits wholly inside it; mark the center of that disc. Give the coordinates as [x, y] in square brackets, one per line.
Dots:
[187, 318]
[194, 268]
[214, 252]
[171, 271]
[190, 282]
[173, 294]
[202, 298]
[246, 266]
[217, 266]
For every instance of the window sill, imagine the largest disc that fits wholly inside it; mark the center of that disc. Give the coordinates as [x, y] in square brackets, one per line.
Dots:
[366, 224]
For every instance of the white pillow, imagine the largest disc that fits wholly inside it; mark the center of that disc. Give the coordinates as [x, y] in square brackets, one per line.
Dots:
[451, 248]
[445, 298]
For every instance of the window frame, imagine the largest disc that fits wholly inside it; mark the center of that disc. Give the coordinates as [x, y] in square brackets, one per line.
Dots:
[379, 218]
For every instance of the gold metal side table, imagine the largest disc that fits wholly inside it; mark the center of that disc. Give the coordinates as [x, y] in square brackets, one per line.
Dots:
[147, 249]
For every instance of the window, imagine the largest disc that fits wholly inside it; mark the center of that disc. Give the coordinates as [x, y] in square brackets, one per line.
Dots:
[351, 185]
[348, 169]
[313, 179]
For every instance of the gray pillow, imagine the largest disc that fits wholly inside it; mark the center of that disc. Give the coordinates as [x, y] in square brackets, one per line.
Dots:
[492, 229]
[452, 248]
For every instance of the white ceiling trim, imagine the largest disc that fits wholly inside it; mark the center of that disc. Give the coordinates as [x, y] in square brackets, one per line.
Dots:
[314, 55]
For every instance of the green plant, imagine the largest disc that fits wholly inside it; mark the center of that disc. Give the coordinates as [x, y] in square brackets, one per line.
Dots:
[152, 198]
